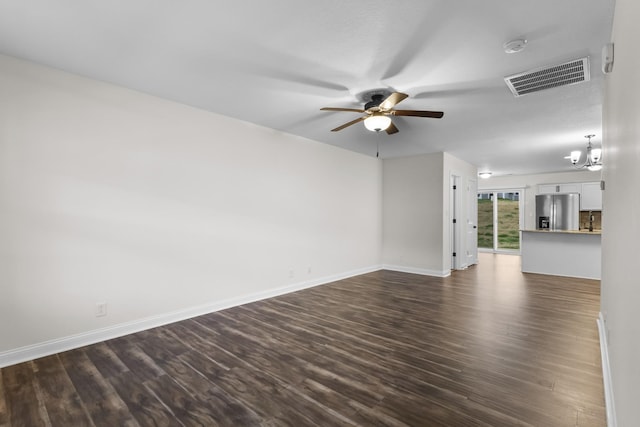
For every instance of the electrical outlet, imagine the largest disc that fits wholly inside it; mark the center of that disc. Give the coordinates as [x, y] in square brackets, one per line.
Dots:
[291, 274]
[101, 309]
[309, 270]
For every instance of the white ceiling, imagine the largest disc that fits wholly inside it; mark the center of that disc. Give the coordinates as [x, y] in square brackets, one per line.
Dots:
[277, 63]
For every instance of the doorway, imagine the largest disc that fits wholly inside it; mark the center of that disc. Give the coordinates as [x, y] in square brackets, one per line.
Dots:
[499, 220]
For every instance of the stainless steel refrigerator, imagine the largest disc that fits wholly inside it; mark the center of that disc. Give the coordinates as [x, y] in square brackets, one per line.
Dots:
[558, 211]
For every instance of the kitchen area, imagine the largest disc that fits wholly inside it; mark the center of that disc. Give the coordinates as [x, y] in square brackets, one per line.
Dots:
[566, 240]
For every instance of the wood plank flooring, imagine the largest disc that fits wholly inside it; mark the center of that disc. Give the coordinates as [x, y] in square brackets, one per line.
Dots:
[488, 346]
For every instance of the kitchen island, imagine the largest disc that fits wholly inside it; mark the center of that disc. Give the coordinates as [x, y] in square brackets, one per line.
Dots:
[562, 253]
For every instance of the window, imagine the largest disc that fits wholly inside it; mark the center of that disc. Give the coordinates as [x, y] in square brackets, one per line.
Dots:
[499, 216]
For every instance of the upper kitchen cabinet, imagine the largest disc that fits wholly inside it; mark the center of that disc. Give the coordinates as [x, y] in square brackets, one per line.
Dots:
[590, 193]
[591, 197]
[574, 187]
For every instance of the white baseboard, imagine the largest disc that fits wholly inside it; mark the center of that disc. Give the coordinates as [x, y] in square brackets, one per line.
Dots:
[47, 348]
[606, 373]
[414, 270]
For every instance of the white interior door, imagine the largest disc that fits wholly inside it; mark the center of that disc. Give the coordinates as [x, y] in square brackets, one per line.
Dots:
[472, 222]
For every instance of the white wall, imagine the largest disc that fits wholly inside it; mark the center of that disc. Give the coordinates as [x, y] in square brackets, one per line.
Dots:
[416, 212]
[108, 195]
[621, 220]
[530, 185]
[412, 214]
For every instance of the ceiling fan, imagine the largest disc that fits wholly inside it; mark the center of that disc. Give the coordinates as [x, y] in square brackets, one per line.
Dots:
[378, 110]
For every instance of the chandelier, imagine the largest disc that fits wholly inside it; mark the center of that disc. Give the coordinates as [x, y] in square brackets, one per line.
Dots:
[594, 157]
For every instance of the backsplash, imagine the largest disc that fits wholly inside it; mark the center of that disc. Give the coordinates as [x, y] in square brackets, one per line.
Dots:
[584, 220]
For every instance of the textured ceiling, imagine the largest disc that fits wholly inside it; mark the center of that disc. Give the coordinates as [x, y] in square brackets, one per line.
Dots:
[277, 63]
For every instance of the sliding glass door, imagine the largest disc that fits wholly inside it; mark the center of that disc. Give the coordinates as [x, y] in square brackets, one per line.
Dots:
[499, 216]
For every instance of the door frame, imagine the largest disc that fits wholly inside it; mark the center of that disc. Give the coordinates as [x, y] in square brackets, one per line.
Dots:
[455, 235]
[472, 222]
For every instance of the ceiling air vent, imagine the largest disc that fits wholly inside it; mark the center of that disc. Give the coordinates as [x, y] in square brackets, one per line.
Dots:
[572, 72]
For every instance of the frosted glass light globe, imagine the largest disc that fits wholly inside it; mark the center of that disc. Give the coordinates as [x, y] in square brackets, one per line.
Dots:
[377, 123]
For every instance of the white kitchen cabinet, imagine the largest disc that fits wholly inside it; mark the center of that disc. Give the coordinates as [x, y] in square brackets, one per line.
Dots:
[591, 197]
[559, 188]
[547, 188]
[590, 193]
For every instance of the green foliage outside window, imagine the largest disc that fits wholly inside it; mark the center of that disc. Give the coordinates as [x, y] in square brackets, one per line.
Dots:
[508, 224]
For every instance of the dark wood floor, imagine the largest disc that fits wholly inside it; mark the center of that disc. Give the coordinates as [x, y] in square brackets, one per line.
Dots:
[488, 346]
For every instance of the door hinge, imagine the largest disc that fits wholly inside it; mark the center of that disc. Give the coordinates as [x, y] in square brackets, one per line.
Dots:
[455, 187]
[454, 254]
[454, 221]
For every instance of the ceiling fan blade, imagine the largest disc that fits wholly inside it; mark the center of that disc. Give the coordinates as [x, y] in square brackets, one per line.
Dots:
[352, 122]
[392, 129]
[418, 113]
[355, 110]
[392, 100]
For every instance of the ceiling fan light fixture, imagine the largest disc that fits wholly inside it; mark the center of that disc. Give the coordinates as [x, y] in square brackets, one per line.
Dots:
[376, 123]
[377, 111]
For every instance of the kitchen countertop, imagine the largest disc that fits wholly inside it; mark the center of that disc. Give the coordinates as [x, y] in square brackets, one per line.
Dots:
[595, 232]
